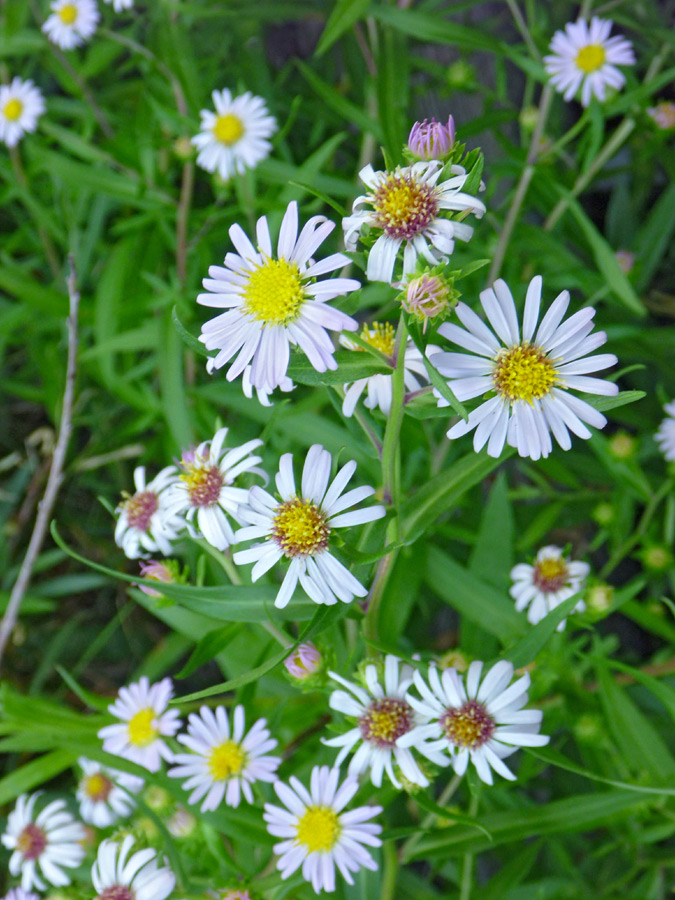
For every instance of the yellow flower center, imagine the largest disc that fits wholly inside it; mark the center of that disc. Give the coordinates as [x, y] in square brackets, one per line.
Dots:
[300, 528]
[225, 760]
[141, 727]
[380, 335]
[203, 481]
[469, 726]
[524, 372]
[591, 58]
[403, 206]
[318, 829]
[228, 129]
[13, 109]
[97, 787]
[274, 292]
[31, 842]
[550, 574]
[68, 14]
[385, 721]
[140, 508]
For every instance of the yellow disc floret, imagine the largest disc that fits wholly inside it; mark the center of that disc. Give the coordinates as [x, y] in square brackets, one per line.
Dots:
[225, 759]
[550, 574]
[68, 14]
[300, 528]
[13, 109]
[380, 335]
[385, 721]
[404, 206]
[591, 58]
[228, 129]
[524, 372]
[318, 829]
[97, 787]
[141, 727]
[274, 292]
[469, 726]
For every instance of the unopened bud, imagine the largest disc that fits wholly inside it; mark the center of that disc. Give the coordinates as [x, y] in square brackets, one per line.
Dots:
[431, 140]
[304, 661]
[427, 297]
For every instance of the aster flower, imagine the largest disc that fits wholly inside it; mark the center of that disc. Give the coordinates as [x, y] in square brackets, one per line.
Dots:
[409, 206]
[116, 875]
[286, 386]
[272, 303]
[48, 841]
[317, 834]
[145, 719]
[544, 585]
[299, 526]
[665, 436]
[383, 716]
[21, 105]
[584, 56]
[432, 140]
[235, 137]
[531, 376]
[663, 115]
[205, 493]
[19, 894]
[304, 661]
[146, 523]
[381, 335]
[121, 5]
[224, 762]
[481, 722]
[71, 23]
[105, 795]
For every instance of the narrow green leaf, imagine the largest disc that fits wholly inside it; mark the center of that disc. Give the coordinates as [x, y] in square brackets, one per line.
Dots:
[345, 13]
[209, 647]
[35, 773]
[538, 636]
[451, 815]
[492, 555]
[192, 342]
[347, 110]
[351, 367]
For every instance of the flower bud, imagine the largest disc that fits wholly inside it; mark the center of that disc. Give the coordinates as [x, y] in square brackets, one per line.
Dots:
[599, 599]
[622, 445]
[626, 260]
[181, 824]
[427, 297]
[183, 148]
[157, 571]
[304, 661]
[431, 140]
[663, 115]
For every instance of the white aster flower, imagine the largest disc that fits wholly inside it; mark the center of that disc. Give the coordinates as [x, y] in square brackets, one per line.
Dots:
[382, 335]
[205, 492]
[546, 584]
[145, 719]
[146, 522]
[19, 894]
[235, 137]
[298, 527]
[586, 56]
[71, 23]
[118, 876]
[317, 834]
[409, 206]
[286, 386]
[224, 762]
[272, 302]
[665, 436]
[105, 795]
[483, 722]
[50, 841]
[384, 716]
[531, 376]
[121, 5]
[21, 105]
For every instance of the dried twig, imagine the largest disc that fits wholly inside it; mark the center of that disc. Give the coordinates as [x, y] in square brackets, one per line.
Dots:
[55, 472]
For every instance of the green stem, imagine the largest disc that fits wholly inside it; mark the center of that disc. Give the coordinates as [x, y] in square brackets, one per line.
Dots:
[467, 863]
[22, 180]
[391, 481]
[389, 872]
[446, 794]
[641, 529]
[523, 185]
[522, 27]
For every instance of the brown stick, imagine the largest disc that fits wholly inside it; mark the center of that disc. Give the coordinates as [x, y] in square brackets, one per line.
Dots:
[55, 472]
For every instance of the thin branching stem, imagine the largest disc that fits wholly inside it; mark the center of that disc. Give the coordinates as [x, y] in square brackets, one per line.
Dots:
[55, 472]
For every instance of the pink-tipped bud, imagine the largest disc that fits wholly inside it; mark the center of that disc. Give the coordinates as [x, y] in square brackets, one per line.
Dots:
[304, 661]
[626, 260]
[157, 571]
[663, 115]
[427, 297]
[431, 140]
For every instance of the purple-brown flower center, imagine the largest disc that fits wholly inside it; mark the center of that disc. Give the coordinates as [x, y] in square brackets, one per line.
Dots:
[385, 721]
[204, 482]
[470, 726]
[404, 207]
[32, 841]
[140, 509]
[117, 892]
[550, 575]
